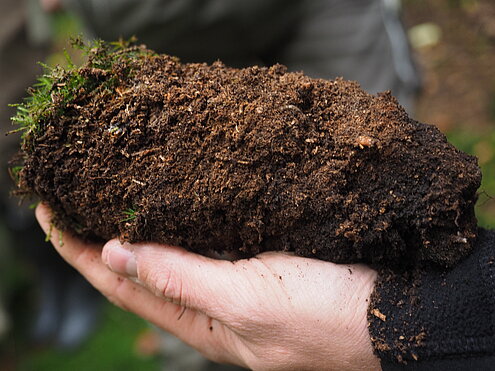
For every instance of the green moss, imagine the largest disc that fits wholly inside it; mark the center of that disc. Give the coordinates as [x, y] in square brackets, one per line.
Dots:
[14, 173]
[60, 87]
[130, 214]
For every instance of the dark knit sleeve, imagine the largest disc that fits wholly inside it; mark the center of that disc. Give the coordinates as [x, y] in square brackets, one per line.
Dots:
[438, 320]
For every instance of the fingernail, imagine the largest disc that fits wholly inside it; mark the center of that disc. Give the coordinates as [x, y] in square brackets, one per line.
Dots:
[119, 259]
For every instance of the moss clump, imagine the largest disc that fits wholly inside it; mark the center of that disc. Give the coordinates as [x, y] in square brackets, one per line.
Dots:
[59, 88]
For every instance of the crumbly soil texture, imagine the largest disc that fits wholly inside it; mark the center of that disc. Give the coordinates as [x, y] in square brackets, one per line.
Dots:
[246, 160]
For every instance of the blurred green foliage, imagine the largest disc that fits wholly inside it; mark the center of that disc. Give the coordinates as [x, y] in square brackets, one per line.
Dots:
[112, 348]
[482, 145]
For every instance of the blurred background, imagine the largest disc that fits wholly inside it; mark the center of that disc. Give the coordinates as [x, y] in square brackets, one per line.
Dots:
[49, 318]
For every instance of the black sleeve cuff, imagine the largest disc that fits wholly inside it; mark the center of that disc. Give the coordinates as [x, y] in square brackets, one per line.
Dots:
[431, 318]
[481, 363]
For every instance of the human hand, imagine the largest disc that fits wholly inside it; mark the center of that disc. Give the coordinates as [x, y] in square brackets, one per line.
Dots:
[272, 312]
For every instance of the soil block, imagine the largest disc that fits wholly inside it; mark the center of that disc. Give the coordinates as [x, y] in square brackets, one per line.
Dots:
[140, 146]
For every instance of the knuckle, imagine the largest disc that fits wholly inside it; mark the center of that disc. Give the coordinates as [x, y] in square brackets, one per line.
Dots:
[163, 283]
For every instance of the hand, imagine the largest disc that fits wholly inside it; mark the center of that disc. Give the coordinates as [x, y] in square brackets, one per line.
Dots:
[272, 312]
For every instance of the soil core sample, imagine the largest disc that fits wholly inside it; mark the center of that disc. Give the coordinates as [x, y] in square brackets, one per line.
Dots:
[207, 157]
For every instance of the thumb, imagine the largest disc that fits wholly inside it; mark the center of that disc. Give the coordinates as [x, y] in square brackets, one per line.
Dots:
[184, 278]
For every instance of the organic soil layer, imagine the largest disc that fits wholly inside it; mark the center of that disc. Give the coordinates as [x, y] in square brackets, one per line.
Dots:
[214, 158]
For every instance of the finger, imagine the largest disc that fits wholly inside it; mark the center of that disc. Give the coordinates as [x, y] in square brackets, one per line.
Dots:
[70, 248]
[86, 258]
[188, 279]
[196, 329]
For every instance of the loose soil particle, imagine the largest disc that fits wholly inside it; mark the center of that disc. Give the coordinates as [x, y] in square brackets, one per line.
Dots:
[213, 158]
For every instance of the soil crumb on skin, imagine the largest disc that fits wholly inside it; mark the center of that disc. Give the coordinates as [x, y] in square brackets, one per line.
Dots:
[248, 160]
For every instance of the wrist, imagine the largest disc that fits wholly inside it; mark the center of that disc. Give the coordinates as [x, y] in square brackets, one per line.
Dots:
[361, 354]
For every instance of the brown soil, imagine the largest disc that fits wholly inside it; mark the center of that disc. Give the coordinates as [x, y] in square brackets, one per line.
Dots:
[214, 158]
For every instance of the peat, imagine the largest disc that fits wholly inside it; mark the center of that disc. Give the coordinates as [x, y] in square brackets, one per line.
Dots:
[213, 158]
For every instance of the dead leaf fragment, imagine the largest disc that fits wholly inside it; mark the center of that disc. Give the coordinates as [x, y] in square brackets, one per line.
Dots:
[376, 312]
